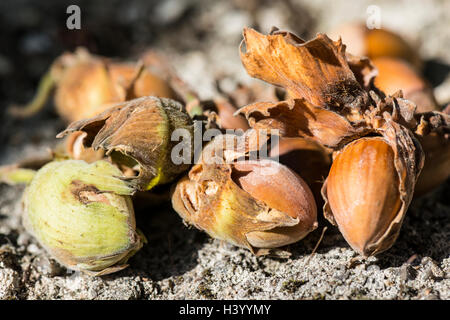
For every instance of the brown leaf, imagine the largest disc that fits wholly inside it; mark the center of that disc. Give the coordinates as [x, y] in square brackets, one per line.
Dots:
[363, 69]
[316, 70]
[433, 133]
[299, 118]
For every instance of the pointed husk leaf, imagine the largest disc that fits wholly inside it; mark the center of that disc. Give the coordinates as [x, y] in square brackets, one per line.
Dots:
[137, 134]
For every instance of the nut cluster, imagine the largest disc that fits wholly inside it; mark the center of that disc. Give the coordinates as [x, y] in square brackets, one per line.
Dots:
[333, 100]
[349, 141]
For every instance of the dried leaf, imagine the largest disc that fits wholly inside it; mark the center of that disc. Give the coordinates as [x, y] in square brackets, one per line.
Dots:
[316, 70]
[433, 133]
[299, 118]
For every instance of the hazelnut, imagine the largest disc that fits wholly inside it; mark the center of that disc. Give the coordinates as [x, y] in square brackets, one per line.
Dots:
[85, 85]
[330, 102]
[375, 43]
[396, 74]
[82, 215]
[363, 193]
[307, 158]
[436, 169]
[257, 204]
[433, 132]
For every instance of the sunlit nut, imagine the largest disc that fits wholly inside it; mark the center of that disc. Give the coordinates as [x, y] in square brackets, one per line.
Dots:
[82, 215]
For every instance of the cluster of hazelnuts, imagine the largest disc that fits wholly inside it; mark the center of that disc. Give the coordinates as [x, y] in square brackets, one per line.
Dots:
[359, 133]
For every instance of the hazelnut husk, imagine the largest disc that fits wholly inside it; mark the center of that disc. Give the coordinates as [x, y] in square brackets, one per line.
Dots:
[255, 204]
[136, 135]
[433, 132]
[75, 149]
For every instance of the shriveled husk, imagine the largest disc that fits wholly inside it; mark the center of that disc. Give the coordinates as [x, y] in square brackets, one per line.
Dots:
[137, 136]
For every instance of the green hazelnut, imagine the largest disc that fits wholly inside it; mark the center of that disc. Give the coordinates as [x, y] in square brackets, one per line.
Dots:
[82, 215]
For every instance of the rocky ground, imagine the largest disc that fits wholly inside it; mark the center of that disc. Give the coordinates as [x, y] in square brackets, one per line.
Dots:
[201, 38]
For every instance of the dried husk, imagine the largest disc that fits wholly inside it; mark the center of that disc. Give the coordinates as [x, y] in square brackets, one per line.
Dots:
[433, 132]
[257, 204]
[321, 74]
[298, 118]
[331, 105]
[137, 136]
[75, 149]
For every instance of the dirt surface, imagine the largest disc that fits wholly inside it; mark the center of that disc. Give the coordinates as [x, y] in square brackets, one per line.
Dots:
[201, 38]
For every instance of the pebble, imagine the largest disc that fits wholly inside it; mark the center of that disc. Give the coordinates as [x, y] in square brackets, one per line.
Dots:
[170, 10]
[48, 266]
[34, 249]
[23, 239]
[10, 284]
